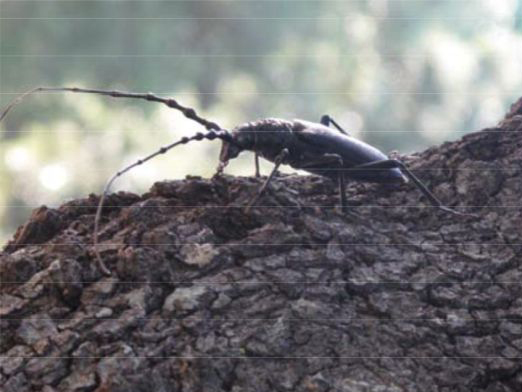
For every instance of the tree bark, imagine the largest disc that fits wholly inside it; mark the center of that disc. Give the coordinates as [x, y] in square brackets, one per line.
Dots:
[293, 295]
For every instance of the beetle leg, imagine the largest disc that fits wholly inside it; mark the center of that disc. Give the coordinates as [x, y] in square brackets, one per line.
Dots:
[256, 158]
[342, 191]
[393, 164]
[332, 159]
[327, 120]
[278, 161]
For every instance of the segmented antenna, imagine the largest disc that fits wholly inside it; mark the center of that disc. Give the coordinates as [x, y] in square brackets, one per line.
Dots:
[215, 132]
[211, 135]
[170, 102]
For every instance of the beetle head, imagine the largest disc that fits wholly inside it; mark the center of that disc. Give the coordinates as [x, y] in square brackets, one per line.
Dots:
[230, 149]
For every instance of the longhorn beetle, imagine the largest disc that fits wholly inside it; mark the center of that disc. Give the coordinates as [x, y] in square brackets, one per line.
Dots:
[313, 147]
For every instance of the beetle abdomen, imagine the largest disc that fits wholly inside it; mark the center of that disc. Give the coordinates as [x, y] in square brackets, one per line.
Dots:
[352, 151]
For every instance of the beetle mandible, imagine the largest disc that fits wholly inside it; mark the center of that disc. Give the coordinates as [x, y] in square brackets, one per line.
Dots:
[313, 147]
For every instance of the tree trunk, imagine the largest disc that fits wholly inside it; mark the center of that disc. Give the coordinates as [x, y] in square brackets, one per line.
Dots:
[293, 295]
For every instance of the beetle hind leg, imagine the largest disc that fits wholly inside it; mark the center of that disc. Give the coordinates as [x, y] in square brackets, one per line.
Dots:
[327, 120]
[395, 164]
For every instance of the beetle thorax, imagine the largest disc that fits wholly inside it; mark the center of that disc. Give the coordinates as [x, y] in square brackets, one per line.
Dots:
[267, 137]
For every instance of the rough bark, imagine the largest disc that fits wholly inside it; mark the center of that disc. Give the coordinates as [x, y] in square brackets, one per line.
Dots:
[290, 296]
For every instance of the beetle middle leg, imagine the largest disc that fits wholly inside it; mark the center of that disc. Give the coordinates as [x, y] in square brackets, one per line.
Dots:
[329, 160]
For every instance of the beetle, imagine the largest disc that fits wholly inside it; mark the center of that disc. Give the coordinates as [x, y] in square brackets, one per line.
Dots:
[313, 147]
[317, 149]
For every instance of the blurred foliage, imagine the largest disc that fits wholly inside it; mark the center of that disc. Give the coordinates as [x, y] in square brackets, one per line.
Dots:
[401, 74]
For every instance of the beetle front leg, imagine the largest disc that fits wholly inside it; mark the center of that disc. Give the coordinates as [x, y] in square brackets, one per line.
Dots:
[327, 120]
[256, 156]
[278, 162]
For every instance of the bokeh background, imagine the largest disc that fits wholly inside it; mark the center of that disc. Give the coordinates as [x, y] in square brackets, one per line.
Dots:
[400, 74]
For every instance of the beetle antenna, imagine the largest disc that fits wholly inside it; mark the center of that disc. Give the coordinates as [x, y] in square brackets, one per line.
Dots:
[211, 135]
[190, 113]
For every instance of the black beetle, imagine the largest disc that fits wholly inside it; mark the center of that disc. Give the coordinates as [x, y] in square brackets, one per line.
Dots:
[318, 149]
[313, 147]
